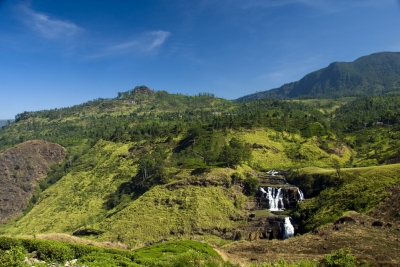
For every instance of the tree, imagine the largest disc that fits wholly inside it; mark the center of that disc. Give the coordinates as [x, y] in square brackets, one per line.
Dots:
[336, 165]
[250, 184]
[235, 153]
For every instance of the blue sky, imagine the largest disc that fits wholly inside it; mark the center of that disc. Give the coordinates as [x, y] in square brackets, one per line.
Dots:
[60, 53]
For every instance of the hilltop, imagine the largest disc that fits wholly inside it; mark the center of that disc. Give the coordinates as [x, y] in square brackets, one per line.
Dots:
[376, 74]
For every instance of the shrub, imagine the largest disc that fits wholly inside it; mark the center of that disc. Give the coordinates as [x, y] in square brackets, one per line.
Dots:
[103, 259]
[52, 251]
[13, 257]
[250, 185]
[7, 243]
[340, 258]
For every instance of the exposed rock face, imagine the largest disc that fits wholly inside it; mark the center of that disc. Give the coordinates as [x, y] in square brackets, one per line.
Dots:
[265, 228]
[142, 90]
[266, 178]
[21, 167]
[389, 210]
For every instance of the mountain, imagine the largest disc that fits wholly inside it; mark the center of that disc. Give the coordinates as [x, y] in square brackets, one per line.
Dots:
[148, 166]
[5, 122]
[375, 74]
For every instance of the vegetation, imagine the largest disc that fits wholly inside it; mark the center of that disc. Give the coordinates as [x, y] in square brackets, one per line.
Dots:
[149, 166]
[168, 254]
[376, 74]
[334, 195]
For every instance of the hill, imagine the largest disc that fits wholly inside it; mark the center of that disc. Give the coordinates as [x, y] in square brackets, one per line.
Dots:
[376, 74]
[148, 166]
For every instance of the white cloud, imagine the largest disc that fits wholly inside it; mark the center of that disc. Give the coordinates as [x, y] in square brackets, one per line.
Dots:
[46, 26]
[145, 43]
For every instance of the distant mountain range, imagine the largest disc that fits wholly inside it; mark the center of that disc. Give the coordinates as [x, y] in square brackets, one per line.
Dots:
[375, 74]
[5, 122]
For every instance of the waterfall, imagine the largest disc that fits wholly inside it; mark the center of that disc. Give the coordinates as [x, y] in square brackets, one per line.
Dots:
[280, 198]
[275, 199]
[301, 195]
[288, 229]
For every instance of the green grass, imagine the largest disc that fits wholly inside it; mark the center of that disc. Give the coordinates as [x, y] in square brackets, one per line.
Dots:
[77, 201]
[163, 254]
[359, 189]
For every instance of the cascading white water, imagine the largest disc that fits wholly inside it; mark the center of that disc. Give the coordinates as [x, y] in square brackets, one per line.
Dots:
[275, 199]
[262, 190]
[288, 229]
[301, 195]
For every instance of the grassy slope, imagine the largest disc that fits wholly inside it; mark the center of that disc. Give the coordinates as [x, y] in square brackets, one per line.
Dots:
[76, 201]
[359, 189]
[160, 211]
[273, 155]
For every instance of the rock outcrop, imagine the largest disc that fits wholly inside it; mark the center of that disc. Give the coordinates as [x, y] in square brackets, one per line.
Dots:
[265, 228]
[21, 167]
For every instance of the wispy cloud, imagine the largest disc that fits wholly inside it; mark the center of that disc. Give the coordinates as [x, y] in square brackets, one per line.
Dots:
[148, 42]
[324, 5]
[47, 26]
[145, 43]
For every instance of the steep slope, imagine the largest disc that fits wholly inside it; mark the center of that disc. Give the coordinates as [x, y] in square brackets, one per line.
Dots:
[21, 167]
[78, 200]
[378, 73]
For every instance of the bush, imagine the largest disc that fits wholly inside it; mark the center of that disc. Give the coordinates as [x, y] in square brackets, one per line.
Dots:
[250, 185]
[83, 250]
[7, 243]
[102, 259]
[13, 257]
[52, 251]
[340, 258]
[193, 258]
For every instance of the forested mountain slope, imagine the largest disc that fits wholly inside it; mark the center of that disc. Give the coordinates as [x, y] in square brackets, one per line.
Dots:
[375, 74]
[147, 166]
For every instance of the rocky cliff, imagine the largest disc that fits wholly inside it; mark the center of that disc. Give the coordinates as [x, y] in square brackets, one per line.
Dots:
[21, 167]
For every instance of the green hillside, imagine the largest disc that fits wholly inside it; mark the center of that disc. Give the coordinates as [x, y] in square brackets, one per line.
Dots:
[148, 166]
[376, 74]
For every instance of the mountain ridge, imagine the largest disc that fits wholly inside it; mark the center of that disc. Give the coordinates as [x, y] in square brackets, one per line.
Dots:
[375, 74]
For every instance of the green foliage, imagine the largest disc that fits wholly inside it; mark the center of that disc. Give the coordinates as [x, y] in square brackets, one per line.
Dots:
[103, 259]
[7, 243]
[250, 185]
[189, 253]
[235, 153]
[51, 251]
[193, 258]
[375, 74]
[355, 189]
[12, 258]
[340, 258]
